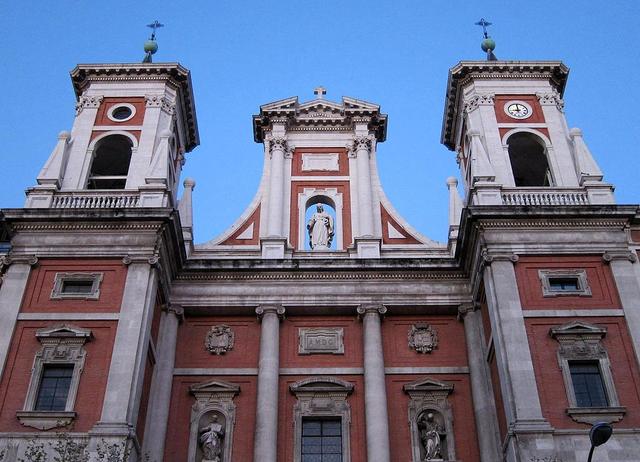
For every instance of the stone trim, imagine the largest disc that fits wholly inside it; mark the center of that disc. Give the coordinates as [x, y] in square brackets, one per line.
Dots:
[355, 275]
[214, 400]
[579, 274]
[321, 396]
[581, 341]
[60, 345]
[572, 313]
[57, 293]
[68, 316]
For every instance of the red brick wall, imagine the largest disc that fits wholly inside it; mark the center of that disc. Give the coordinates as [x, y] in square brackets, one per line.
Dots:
[38, 292]
[343, 162]
[144, 399]
[15, 381]
[109, 102]
[451, 350]
[600, 279]
[553, 396]
[532, 100]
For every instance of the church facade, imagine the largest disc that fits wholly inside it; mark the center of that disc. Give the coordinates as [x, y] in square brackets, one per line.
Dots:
[320, 327]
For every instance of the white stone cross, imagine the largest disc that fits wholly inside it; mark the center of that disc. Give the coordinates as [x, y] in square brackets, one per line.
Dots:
[319, 92]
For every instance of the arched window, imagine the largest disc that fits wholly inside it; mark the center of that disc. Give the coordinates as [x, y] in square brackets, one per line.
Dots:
[111, 158]
[528, 158]
[320, 228]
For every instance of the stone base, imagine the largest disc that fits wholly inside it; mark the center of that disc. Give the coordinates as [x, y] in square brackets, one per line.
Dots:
[367, 247]
[273, 247]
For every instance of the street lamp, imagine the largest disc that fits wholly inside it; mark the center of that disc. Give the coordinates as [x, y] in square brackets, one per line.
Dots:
[599, 434]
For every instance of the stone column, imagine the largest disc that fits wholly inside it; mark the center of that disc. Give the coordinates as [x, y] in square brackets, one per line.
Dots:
[14, 282]
[362, 146]
[265, 447]
[277, 147]
[161, 384]
[375, 392]
[622, 266]
[129, 355]
[484, 406]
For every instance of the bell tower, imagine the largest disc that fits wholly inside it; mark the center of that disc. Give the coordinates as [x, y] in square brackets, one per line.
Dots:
[506, 122]
[133, 125]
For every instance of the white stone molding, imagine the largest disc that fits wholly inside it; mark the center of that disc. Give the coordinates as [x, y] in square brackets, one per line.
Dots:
[219, 339]
[326, 340]
[422, 338]
[321, 397]
[151, 260]
[581, 341]
[479, 100]
[551, 98]
[111, 110]
[363, 143]
[312, 196]
[8, 260]
[58, 291]
[214, 400]
[86, 101]
[60, 345]
[161, 101]
[580, 275]
[429, 396]
[490, 257]
[277, 143]
[466, 308]
[53, 171]
[363, 310]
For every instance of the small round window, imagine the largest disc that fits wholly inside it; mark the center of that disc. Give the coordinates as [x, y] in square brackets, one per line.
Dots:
[121, 112]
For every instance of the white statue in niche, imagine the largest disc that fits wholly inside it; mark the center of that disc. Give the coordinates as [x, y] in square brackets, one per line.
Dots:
[430, 436]
[320, 228]
[211, 441]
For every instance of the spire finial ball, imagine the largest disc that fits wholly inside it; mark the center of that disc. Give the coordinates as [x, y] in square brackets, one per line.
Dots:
[488, 44]
[150, 46]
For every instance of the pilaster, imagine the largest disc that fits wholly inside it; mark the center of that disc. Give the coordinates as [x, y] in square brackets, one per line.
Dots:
[375, 393]
[265, 447]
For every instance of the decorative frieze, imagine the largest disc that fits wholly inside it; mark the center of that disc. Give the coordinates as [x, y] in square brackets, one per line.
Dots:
[219, 339]
[161, 101]
[552, 98]
[479, 100]
[328, 340]
[423, 338]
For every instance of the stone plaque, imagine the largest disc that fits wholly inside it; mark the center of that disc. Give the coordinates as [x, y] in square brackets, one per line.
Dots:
[320, 161]
[321, 341]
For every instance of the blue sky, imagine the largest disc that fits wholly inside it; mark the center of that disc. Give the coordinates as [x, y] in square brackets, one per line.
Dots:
[246, 53]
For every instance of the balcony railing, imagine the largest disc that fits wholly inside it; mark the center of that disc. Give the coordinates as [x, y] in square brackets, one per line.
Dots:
[544, 196]
[96, 200]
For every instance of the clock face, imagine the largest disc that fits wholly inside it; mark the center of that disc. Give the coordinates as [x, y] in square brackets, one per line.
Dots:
[518, 110]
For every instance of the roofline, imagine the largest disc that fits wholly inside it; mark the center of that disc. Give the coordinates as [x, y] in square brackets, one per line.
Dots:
[465, 71]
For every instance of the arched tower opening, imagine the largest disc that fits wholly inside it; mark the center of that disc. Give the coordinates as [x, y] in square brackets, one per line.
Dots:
[110, 165]
[528, 157]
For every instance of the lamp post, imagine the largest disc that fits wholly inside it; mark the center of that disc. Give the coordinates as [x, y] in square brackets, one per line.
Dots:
[599, 434]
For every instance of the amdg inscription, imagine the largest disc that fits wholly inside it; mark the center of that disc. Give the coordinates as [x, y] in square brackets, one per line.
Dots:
[321, 341]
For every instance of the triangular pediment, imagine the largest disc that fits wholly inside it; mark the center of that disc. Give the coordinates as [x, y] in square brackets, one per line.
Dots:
[359, 106]
[322, 384]
[214, 386]
[64, 330]
[428, 385]
[284, 105]
[577, 328]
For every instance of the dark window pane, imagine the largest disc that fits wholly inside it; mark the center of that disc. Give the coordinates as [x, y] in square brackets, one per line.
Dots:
[311, 427]
[321, 440]
[72, 286]
[587, 384]
[54, 387]
[312, 458]
[567, 284]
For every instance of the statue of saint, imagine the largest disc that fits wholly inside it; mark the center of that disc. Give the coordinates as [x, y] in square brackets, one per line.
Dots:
[320, 228]
[211, 441]
[430, 437]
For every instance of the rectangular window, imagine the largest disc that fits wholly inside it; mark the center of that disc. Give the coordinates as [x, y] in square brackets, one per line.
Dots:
[566, 284]
[587, 384]
[54, 387]
[77, 286]
[321, 440]
[84, 286]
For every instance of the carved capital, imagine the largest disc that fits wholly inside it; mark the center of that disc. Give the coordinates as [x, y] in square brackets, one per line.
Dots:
[263, 310]
[161, 101]
[351, 151]
[177, 310]
[152, 260]
[278, 143]
[364, 310]
[466, 308]
[551, 99]
[8, 260]
[608, 257]
[88, 102]
[362, 143]
[490, 257]
[479, 100]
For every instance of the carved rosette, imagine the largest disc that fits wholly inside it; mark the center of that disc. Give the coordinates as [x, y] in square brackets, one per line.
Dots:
[550, 99]
[88, 102]
[479, 100]
[423, 338]
[219, 340]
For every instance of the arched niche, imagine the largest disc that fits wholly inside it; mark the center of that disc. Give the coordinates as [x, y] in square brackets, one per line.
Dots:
[308, 200]
[110, 159]
[529, 160]
[212, 421]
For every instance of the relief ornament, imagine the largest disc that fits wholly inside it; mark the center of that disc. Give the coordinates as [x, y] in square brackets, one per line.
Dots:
[423, 338]
[219, 339]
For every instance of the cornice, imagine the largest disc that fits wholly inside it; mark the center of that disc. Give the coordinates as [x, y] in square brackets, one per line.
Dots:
[466, 71]
[85, 226]
[546, 223]
[174, 74]
[317, 275]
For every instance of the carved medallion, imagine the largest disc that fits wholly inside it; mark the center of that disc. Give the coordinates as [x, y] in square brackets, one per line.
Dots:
[423, 338]
[219, 339]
